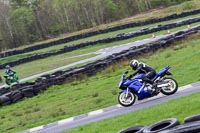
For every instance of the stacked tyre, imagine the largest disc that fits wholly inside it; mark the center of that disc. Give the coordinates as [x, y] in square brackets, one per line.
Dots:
[16, 95]
[191, 125]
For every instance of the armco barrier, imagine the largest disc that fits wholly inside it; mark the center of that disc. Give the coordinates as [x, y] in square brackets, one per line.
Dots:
[29, 89]
[92, 33]
[106, 40]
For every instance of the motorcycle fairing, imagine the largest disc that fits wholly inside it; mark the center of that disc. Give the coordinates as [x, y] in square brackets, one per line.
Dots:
[138, 87]
[161, 72]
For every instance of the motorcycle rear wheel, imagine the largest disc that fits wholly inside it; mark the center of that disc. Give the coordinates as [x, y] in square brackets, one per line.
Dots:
[126, 101]
[172, 88]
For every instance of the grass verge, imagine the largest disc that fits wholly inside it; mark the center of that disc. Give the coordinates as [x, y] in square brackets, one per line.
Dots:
[100, 91]
[179, 108]
[49, 63]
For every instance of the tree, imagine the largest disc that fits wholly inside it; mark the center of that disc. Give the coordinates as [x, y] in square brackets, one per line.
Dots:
[22, 22]
[26, 21]
[5, 27]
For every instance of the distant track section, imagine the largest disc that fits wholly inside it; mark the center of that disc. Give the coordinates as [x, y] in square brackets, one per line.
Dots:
[123, 36]
[92, 33]
[30, 89]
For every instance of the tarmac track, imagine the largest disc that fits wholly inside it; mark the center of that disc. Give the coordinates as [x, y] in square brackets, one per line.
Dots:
[112, 111]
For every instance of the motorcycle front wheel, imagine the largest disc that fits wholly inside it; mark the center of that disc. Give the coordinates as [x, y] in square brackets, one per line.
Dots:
[171, 88]
[126, 100]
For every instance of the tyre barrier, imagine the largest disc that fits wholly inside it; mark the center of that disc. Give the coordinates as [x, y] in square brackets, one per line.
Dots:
[92, 33]
[192, 118]
[28, 92]
[106, 40]
[30, 89]
[20, 93]
[161, 125]
[191, 127]
[16, 96]
[170, 125]
[5, 100]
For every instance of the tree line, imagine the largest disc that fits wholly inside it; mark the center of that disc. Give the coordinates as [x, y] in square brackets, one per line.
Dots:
[23, 22]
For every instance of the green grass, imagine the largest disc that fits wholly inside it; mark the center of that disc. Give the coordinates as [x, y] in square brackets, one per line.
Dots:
[100, 91]
[179, 108]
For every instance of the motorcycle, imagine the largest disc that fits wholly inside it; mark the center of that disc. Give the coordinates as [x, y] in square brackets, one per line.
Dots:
[130, 88]
[11, 78]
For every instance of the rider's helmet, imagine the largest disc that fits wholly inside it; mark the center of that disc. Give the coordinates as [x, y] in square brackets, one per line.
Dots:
[7, 67]
[134, 64]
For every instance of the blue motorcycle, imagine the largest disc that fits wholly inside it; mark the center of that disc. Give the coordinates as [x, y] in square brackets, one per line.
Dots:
[130, 88]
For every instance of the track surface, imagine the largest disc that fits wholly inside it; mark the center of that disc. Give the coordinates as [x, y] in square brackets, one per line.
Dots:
[102, 54]
[112, 111]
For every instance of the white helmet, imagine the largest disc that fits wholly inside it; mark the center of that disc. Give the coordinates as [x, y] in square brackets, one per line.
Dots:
[134, 64]
[7, 66]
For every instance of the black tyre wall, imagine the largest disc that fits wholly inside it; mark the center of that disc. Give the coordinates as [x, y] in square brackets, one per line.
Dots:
[16, 96]
[28, 92]
[4, 100]
[161, 125]
[190, 127]
[192, 118]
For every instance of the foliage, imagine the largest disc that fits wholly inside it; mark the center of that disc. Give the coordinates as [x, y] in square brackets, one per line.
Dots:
[22, 23]
[46, 18]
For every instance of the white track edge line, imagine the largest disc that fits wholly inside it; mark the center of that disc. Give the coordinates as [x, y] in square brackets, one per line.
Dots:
[96, 112]
[66, 121]
[36, 129]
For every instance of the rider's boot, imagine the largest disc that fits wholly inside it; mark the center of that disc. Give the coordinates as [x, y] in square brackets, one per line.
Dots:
[153, 85]
[155, 89]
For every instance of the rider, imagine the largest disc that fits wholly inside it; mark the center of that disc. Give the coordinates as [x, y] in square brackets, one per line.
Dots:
[9, 71]
[140, 68]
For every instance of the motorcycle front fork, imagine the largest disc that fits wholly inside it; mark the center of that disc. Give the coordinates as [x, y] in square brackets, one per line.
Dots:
[127, 90]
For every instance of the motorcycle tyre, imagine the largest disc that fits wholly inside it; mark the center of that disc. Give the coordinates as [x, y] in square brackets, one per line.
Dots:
[133, 129]
[161, 125]
[125, 105]
[192, 118]
[172, 92]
